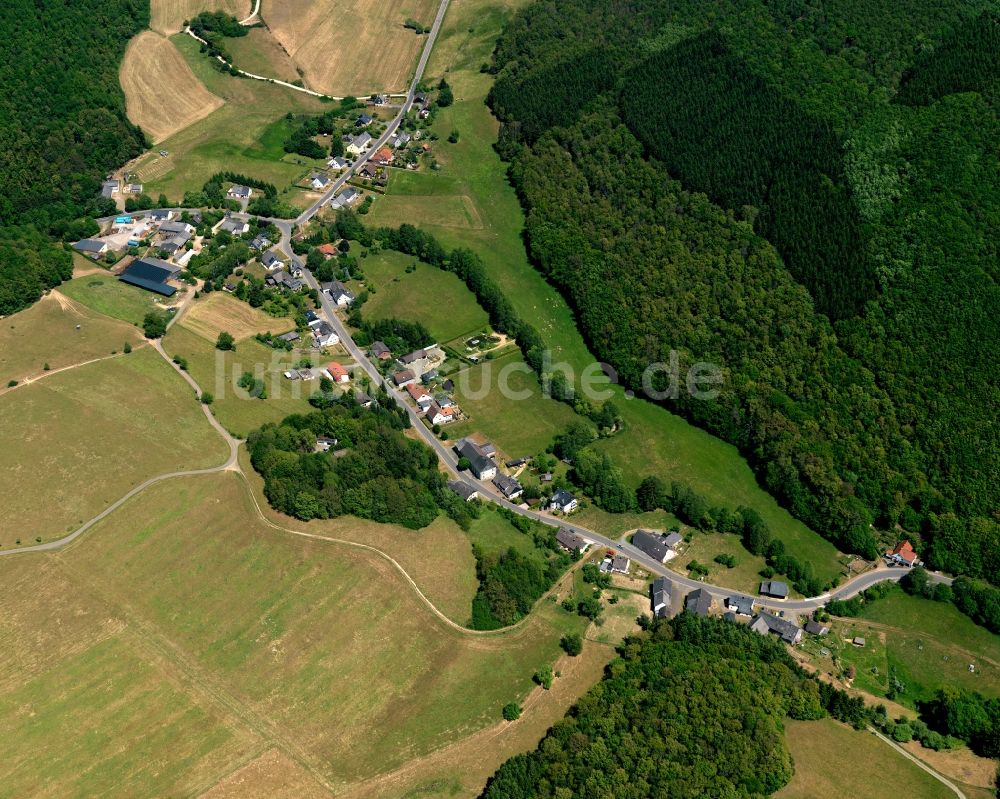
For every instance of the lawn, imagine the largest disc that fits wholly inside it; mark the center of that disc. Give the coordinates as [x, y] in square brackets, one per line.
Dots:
[704, 547]
[473, 177]
[295, 627]
[106, 294]
[58, 332]
[833, 761]
[504, 402]
[231, 138]
[81, 439]
[426, 294]
[218, 373]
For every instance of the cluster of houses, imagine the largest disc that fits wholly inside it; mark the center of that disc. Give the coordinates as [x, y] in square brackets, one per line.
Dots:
[112, 187]
[661, 547]
[417, 374]
[665, 601]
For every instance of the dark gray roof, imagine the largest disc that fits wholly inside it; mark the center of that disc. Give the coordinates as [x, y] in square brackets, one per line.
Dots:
[379, 348]
[416, 355]
[151, 274]
[463, 489]
[570, 540]
[562, 497]
[774, 588]
[508, 485]
[650, 543]
[672, 539]
[741, 604]
[661, 596]
[291, 335]
[475, 455]
[269, 259]
[765, 623]
[699, 602]
[175, 227]
[89, 245]
[814, 627]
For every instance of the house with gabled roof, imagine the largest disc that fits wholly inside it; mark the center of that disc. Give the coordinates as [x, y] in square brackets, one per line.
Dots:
[903, 554]
[661, 595]
[769, 624]
[570, 541]
[508, 486]
[563, 501]
[480, 463]
[698, 602]
[652, 544]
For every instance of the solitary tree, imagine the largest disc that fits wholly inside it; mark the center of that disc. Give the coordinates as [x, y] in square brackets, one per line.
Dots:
[512, 711]
[225, 341]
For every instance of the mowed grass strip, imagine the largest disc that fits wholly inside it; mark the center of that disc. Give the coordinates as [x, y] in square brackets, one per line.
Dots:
[326, 641]
[162, 94]
[79, 440]
[219, 373]
[47, 333]
[107, 295]
[217, 312]
[833, 761]
[426, 294]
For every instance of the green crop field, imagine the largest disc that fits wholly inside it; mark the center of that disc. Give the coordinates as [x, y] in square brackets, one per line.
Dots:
[833, 761]
[473, 177]
[218, 372]
[519, 427]
[106, 294]
[224, 631]
[437, 299]
[57, 333]
[245, 135]
[81, 439]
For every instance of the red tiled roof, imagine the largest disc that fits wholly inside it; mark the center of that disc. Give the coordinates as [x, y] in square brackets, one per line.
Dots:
[337, 371]
[904, 551]
[327, 249]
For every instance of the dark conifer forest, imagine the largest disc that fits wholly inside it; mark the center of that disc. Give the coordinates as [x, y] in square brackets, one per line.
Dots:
[805, 193]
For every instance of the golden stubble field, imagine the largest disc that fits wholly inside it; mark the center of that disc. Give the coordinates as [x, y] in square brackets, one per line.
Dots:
[167, 16]
[162, 94]
[350, 46]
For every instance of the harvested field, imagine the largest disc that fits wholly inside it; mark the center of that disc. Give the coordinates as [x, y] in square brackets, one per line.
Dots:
[219, 312]
[320, 650]
[162, 94]
[329, 40]
[47, 333]
[81, 439]
[167, 16]
[262, 54]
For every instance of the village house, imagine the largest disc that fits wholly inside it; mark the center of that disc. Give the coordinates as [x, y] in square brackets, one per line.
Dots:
[363, 120]
[383, 156]
[774, 588]
[234, 225]
[465, 491]
[661, 597]
[419, 395]
[110, 187]
[570, 541]
[325, 444]
[480, 462]
[328, 251]
[740, 605]
[356, 145]
[91, 247]
[563, 501]
[651, 544]
[402, 139]
[161, 214]
[133, 188]
[282, 279]
[814, 627]
[338, 163]
[438, 415]
[291, 336]
[508, 486]
[698, 602]
[324, 335]
[903, 555]
[239, 193]
[380, 351]
[339, 293]
[318, 181]
[338, 372]
[768, 624]
[271, 261]
[404, 378]
[260, 243]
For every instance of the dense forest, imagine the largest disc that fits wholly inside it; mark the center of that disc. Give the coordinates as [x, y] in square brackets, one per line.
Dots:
[803, 193]
[693, 708]
[64, 129]
[380, 474]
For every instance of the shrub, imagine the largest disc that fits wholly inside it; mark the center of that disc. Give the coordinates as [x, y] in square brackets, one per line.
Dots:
[511, 711]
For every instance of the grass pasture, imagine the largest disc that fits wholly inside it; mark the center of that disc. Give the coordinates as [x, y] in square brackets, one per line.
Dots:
[351, 47]
[167, 16]
[295, 624]
[217, 372]
[46, 333]
[217, 312]
[438, 299]
[504, 402]
[107, 295]
[833, 761]
[81, 439]
[705, 546]
[162, 94]
[260, 53]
